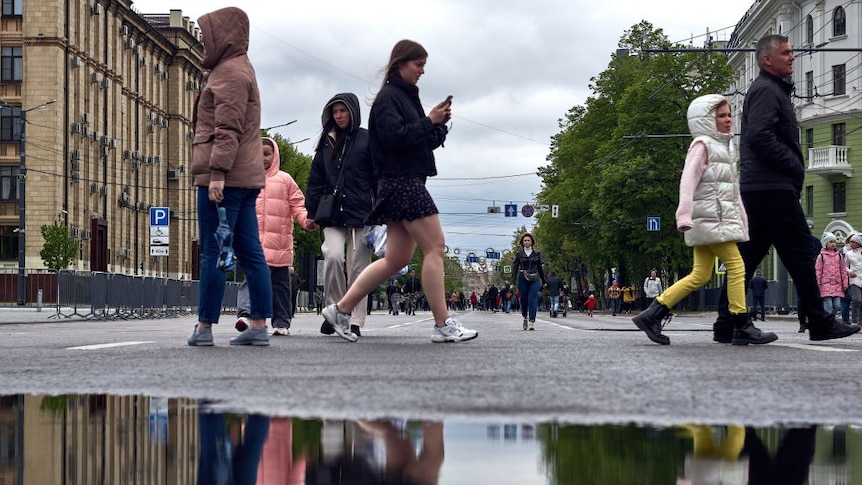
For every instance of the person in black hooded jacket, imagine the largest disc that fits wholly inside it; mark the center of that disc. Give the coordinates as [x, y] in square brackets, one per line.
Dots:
[402, 142]
[342, 165]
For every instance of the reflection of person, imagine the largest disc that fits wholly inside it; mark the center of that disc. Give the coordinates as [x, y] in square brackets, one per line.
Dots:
[712, 218]
[342, 164]
[227, 169]
[279, 203]
[279, 462]
[713, 460]
[228, 460]
[402, 142]
[403, 464]
[790, 463]
[772, 170]
[529, 275]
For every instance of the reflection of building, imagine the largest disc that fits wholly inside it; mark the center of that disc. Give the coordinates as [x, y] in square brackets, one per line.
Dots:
[827, 96]
[511, 432]
[116, 141]
[97, 439]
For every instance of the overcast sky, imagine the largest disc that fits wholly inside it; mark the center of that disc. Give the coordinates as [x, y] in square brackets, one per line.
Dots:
[514, 70]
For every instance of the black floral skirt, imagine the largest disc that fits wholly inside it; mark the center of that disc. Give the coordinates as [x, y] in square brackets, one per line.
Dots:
[400, 199]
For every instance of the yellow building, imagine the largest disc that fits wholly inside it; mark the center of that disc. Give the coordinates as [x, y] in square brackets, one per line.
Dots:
[107, 95]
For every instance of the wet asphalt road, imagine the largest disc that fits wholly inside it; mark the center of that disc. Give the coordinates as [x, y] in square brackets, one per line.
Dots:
[574, 369]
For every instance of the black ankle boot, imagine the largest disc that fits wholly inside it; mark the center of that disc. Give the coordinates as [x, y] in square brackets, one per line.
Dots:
[746, 333]
[722, 330]
[650, 321]
[829, 329]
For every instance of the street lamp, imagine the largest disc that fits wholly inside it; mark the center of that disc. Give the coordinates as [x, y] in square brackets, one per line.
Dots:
[22, 176]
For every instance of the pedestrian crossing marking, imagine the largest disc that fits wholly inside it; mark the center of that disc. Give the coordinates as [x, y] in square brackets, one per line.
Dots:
[107, 346]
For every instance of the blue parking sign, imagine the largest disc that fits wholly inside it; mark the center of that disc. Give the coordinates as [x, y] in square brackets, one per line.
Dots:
[160, 216]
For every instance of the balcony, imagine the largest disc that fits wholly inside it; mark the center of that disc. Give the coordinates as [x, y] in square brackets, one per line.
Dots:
[829, 160]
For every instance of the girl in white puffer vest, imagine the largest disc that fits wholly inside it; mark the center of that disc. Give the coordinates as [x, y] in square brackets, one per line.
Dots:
[712, 218]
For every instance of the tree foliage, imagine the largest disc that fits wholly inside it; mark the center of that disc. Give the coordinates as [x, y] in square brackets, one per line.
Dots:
[60, 249]
[607, 181]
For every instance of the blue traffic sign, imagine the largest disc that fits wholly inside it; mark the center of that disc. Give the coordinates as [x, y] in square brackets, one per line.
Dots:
[511, 210]
[527, 210]
[160, 216]
[653, 223]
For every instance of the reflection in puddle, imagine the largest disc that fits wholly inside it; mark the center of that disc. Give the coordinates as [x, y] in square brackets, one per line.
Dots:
[99, 439]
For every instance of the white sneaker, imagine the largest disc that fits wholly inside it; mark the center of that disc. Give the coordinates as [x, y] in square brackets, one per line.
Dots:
[452, 331]
[280, 331]
[340, 322]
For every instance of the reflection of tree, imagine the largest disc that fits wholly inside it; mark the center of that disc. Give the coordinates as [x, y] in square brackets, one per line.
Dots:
[307, 437]
[610, 454]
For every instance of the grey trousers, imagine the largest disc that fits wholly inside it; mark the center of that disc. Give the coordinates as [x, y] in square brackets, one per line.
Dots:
[345, 255]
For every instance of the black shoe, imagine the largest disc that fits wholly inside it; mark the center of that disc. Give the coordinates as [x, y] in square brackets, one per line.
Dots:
[830, 329]
[327, 329]
[722, 330]
[355, 329]
[650, 321]
[745, 332]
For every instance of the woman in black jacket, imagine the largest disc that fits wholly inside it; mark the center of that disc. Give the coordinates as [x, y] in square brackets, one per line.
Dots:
[403, 139]
[529, 276]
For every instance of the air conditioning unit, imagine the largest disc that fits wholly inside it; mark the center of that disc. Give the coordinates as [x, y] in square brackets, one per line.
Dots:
[124, 199]
[157, 159]
[75, 165]
[165, 122]
[76, 128]
[85, 235]
[73, 233]
[190, 85]
[106, 83]
[104, 139]
[105, 151]
[149, 160]
[76, 154]
[174, 214]
[157, 68]
[173, 175]
[124, 30]
[103, 190]
[143, 61]
[75, 177]
[190, 135]
[96, 136]
[85, 118]
[151, 129]
[136, 165]
[181, 169]
[76, 61]
[150, 116]
[95, 78]
[112, 143]
[127, 154]
[129, 44]
[96, 9]
[85, 131]
[142, 206]
[136, 155]
[125, 253]
[165, 75]
[94, 188]
[127, 189]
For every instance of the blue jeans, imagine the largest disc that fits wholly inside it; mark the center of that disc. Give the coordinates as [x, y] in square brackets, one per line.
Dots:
[555, 303]
[832, 304]
[529, 297]
[242, 218]
[760, 302]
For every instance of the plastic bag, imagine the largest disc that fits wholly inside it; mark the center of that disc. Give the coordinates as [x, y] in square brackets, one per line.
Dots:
[375, 237]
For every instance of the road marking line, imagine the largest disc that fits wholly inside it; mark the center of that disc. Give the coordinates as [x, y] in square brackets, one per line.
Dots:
[107, 346]
[812, 347]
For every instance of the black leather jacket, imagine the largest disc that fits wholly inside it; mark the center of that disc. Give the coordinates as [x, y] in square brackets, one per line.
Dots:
[533, 262]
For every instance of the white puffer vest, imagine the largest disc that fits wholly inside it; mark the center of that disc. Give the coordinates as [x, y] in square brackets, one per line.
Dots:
[716, 210]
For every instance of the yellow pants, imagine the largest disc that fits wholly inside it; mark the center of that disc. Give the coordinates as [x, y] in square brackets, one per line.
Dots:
[702, 272]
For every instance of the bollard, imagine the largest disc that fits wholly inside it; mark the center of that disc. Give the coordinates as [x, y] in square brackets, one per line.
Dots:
[39, 300]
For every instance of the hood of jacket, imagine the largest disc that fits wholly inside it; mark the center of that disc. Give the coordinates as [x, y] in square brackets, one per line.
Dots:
[352, 102]
[276, 159]
[225, 33]
[701, 117]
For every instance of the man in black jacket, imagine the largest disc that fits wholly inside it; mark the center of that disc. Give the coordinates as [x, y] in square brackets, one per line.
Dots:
[772, 170]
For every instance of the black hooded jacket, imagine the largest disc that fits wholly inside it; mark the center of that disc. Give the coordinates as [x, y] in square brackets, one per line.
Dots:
[358, 185]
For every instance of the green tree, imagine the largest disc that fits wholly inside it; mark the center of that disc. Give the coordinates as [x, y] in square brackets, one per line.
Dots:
[59, 249]
[606, 180]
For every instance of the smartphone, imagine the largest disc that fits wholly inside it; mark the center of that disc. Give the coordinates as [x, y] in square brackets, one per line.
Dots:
[449, 99]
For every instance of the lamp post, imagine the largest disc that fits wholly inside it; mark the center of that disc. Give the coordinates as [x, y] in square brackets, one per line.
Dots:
[22, 176]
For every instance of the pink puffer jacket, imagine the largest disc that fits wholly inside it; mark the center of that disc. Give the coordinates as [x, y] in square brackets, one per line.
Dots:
[279, 203]
[831, 273]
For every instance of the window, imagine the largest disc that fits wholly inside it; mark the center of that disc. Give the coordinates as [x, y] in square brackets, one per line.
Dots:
[839, 22]
[839, 85]
[10, 124]
[809, 138]
[12, 63]
[13, 7]
[8, 183]
[809, 30]
[838, 132]
[809, 201]
[839, 197]
[809, 85]
[8, 243]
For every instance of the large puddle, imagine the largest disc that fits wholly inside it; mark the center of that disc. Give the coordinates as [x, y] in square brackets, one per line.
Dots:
[104, 439]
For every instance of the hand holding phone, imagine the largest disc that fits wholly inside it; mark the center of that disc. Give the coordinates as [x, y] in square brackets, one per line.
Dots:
[449, 99]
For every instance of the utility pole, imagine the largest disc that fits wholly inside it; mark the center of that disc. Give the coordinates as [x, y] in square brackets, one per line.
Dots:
[22, 199]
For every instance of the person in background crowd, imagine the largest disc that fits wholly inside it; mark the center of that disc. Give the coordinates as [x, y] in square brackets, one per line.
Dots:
[553, 284]
[342, 165]
[630, 293]
[614, 294]
[758, 286]
[853, 256]
[590, 304]
[831, 271]
[652, 287]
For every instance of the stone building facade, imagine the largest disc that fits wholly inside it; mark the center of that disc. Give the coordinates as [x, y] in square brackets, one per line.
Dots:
[107, 95]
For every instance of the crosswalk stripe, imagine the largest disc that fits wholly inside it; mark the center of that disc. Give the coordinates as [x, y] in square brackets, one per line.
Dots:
[107, 346]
